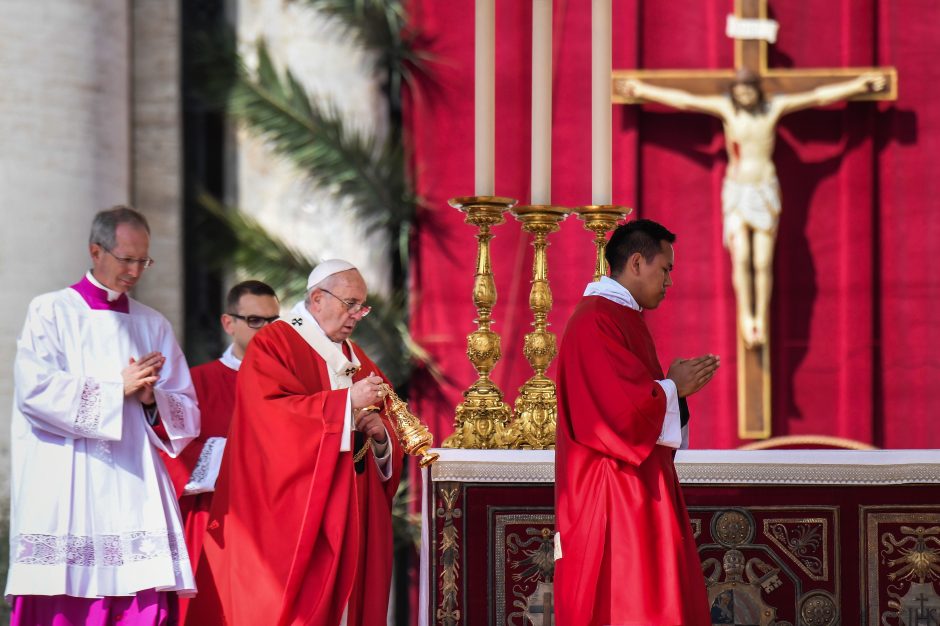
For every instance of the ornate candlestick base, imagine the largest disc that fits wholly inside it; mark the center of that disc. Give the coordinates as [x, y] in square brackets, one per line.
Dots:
[482, 419]
[536, 411]
[601, 219]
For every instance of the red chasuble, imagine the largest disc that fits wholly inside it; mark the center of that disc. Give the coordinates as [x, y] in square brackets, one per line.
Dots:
[628, 555]
[294, 533]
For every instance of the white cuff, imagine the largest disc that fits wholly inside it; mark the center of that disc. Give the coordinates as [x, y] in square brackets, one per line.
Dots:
[383, 463]
[671, 435]
[207, 467]
[345, 440]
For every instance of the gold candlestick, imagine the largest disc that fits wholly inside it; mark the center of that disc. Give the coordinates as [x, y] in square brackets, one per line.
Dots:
[600, 219]
[536, 411]
[482, 419]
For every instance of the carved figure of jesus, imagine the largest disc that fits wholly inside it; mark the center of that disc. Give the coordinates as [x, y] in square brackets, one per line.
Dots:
[750, 194]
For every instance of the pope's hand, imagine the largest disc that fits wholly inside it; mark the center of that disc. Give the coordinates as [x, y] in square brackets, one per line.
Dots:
[366, 392]
[369, 421]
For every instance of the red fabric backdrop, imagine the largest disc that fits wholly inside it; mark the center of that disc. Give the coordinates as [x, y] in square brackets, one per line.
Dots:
[856, 313]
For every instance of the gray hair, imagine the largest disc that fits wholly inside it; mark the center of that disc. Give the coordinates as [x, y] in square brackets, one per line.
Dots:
[104, 226]
[319, 285]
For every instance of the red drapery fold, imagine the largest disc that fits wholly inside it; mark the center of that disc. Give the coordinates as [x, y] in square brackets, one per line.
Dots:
[856, 307]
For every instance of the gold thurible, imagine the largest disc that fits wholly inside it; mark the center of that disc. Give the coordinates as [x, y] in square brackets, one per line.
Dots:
[414, 436]
[601, 219]
[483, 420]
[536, 410]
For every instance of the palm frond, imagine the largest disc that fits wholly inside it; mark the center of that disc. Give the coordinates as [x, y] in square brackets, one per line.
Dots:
[247, 245]
[370, 174]
[239, 240]
[380, 26]
[406, 525]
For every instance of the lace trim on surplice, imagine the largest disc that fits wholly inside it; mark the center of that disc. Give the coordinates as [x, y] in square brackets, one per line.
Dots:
[100, 550]
[177, 411]
[89, 408]
[205, 457]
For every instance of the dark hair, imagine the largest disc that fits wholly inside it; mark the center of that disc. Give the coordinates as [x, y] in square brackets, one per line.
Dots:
[747, 77]
[253, 287]
[104, 226]
[643, 236]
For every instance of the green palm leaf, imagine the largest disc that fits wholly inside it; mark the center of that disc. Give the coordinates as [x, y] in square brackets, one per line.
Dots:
[406, 525]
[240, 239]
[314, 137]
[380, 26]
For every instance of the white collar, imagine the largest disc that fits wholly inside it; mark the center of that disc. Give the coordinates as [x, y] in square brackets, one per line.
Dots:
[229, 359]
[301, 309]
[609, 288]
[341, 369]
[112, 294]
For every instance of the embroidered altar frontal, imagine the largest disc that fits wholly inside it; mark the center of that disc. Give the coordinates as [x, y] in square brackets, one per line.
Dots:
[786, 538]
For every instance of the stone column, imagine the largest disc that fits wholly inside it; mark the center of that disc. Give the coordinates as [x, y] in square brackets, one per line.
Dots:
[157, 186]
[64, 152]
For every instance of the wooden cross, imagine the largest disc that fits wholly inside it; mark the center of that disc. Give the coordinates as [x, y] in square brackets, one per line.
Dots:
[754, 381]
[752, 54]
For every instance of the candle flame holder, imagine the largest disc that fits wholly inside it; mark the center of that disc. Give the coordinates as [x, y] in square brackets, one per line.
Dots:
[601, 219]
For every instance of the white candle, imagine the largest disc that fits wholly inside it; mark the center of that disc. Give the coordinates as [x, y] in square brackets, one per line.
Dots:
[484, 98]
[600, 102]
[541, 182]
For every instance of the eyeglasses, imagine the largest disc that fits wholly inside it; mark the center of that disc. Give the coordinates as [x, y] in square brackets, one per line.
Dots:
[354, 308]
[255, 321]
[128, 261]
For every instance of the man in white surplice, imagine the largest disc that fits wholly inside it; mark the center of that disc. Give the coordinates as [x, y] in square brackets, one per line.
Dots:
[101, 387]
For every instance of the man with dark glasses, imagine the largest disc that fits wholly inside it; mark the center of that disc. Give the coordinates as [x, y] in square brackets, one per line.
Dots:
[249, 307]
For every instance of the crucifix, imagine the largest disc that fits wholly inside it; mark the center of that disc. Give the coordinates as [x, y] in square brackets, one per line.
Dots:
[750, 99]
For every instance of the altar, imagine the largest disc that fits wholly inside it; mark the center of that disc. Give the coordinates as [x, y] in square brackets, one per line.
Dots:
[786, 537]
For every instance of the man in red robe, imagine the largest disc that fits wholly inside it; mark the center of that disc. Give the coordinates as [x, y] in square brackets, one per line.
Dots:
[300, 527]
[249, 306]
[625, 554]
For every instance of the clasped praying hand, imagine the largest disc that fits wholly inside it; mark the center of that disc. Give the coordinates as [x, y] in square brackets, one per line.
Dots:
[141, 375]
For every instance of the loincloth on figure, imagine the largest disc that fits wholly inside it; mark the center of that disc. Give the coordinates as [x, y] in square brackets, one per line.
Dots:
[755, 205]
